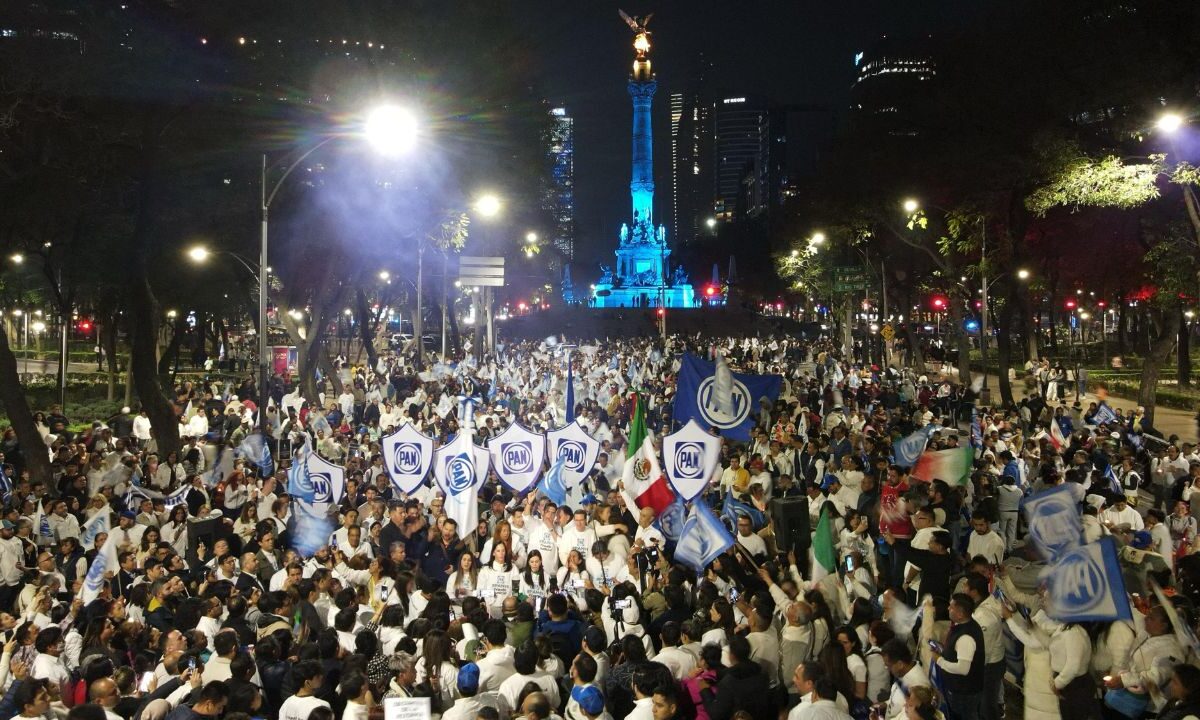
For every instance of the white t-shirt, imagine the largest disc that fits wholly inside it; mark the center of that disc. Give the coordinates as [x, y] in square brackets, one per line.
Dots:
[753, 544]
[299, 708]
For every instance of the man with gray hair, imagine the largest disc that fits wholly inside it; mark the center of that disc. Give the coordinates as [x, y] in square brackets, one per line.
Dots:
[795, 646]
[404, 675]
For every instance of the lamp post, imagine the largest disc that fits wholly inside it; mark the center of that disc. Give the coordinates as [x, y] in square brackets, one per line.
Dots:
[391, 130]
[487, 206]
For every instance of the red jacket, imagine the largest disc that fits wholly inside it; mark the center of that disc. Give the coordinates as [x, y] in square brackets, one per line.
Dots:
[893, 516]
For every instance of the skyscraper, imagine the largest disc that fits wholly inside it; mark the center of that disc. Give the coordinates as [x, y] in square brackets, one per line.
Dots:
[560, 195]
[893, 79]
[741, 157]
[691, 157]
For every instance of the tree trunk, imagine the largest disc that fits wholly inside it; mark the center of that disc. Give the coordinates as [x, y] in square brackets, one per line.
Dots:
[1185, 351]
[914, 345]
[306, 364]
[1004, 351]
[33, 448]
[1160, 340]
[110, 348]
[962, 340]
[326, 364]
[366, 327]
[170, 355]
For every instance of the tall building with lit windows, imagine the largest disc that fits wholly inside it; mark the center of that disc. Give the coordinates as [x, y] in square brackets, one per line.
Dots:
[560, 195]
[892, 80]
[691, 155]
[741, 156]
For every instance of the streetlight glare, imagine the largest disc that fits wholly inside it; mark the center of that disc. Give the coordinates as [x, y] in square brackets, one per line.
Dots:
[795, 253]
[384, 275]
[198, 253]
[391, 129]
[911, 206]
[487, 205]
[1169, 122]
[17, 258]
[818, 238]
[531, 237]
[711, 222]
[1023, 274]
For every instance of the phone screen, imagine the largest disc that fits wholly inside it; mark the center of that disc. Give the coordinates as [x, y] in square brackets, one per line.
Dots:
[384, 591]
[849, 564]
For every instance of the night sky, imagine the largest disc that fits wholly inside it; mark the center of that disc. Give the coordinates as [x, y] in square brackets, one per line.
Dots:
[791, 52]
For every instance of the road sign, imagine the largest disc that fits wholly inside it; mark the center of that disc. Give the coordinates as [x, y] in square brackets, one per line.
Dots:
[849, 279]
[481, 271]
[887, 332]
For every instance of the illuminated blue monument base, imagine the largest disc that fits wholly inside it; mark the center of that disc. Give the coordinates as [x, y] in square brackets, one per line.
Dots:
[642, 277]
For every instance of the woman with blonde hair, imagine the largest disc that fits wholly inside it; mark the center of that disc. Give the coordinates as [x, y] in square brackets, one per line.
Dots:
[923, 704]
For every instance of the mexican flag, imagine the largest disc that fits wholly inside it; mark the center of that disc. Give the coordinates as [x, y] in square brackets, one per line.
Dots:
[824, 554]
[645, 484]
[952, 466]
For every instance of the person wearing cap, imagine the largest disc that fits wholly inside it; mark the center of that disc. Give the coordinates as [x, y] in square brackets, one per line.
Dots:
[589, 702]
[128, 532]
[473, 696]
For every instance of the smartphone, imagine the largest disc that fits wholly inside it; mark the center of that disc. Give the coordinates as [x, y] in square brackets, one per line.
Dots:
[333, 542]
[191, 663]
[849, 564]
[452, 618]
[384, 591]
[733, 594]
[935, 646]
[516, 587]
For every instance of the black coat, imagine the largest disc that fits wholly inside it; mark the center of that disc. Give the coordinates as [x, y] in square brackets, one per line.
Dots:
[741, 687]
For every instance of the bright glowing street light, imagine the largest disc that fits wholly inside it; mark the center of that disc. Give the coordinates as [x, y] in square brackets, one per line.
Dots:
[1169, 122]
[391, 130]
[911, 206]
[818, 238]
[487, 205]
[17, 258]
[384, 275]
[1022, 274]
[531, 237]
[198, 254]
[711, 222]
[795, 253]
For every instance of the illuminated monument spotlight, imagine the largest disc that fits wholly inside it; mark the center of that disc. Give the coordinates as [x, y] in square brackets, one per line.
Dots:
[642, 277]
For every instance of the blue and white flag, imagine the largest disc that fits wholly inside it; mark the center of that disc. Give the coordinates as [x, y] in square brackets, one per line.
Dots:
[670, 521]
[460, 468]
[1104, 415]
[570, 393]
[5, 486]
[733, 508]
[134, 496]
[99, 523]
[42, 522]
[691, 456]
[1055, 525]
[1085, 584]
[976, 429]
[317, 486]
[104, 562]
[729, 412]
[906, 451]
[554, 485]
[407, 455]
[221, 468]
[179, 497]
[1114, 485]
[257, 452]
[299, 486]
[702, 539]
[517, 455]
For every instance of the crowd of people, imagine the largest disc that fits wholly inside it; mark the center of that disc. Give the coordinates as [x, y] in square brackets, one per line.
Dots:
[544, 610]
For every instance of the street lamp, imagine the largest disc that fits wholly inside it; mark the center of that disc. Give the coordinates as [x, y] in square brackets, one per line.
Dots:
[911, 206]
[818, 238]
[487, 205]
[384, 275]
[391, 130]
[17, 258]
[531, 237]
[711, 223]
[1169, 122]
[1022, 274]
[198, 254]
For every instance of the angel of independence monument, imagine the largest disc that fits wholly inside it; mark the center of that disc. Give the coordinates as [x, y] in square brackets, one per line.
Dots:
[642, 277]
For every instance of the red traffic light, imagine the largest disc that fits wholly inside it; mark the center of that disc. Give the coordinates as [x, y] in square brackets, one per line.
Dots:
[661, 312]
[85, 326]
[1071, 304]
[938, 302]
[1101, 304]
[710, 291]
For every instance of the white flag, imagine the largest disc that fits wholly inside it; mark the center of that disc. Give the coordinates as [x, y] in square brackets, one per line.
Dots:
[105, 562]
[460, 469]
[100, 523]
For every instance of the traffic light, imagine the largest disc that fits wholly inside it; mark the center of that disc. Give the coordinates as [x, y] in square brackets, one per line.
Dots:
[938, 302]
[662, 312]
[972, 325]
[84, 326]
[1071, 304]
[710, 291]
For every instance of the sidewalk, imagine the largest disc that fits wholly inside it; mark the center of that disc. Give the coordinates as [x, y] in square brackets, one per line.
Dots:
[1168, 421]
